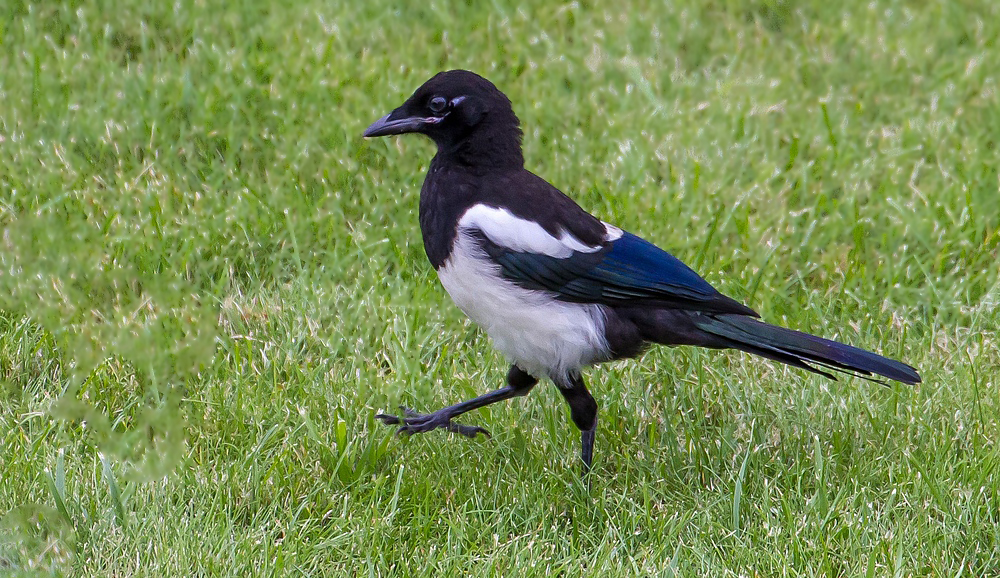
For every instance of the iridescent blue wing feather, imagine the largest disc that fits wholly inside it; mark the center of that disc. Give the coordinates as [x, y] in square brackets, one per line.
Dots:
[628, 271]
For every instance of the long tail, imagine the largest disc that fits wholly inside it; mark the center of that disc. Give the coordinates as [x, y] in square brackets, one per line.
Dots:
[801, 349]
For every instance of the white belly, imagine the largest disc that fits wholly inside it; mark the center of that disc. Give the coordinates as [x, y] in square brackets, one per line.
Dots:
[543, 336]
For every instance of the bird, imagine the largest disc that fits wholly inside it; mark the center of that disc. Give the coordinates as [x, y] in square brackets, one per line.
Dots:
[555, 288]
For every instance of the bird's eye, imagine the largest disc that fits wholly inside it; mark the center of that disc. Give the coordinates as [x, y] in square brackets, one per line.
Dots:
[437, 104]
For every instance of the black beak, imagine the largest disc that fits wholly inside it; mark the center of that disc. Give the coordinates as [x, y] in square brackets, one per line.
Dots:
[397, 123]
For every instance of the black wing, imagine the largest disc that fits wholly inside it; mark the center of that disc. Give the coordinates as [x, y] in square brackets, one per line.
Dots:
[626, 272]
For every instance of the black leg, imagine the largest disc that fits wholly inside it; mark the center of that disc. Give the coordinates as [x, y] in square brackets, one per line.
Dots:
[587, 447]
[518, 383]
[583, 410]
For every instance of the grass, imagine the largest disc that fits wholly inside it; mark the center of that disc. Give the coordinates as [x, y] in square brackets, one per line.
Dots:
[209, 284]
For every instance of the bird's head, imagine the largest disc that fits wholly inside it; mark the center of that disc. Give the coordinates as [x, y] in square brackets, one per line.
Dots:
[463, 113]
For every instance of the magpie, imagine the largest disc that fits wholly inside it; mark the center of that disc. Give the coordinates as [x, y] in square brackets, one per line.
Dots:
[555, 288]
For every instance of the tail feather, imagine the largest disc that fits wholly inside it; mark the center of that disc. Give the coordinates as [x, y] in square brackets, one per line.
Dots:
[803, 350]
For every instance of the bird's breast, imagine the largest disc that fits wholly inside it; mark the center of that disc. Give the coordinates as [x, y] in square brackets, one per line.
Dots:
[542, 335]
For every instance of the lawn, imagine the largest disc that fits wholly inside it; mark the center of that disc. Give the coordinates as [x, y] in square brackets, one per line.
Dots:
[210, 284]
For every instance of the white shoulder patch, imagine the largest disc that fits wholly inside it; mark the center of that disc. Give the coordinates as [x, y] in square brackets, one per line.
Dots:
[507, 230]
[612, 233]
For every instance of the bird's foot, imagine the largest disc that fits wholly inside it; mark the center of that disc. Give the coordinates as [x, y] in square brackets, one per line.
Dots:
[413, 422]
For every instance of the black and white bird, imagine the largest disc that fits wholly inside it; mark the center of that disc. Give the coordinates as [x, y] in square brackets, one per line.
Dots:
[554, 287]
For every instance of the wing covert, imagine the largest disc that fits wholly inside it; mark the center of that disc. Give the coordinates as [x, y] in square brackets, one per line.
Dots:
[628, 271]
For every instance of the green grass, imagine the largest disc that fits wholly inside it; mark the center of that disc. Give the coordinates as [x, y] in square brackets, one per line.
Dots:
[209, 284]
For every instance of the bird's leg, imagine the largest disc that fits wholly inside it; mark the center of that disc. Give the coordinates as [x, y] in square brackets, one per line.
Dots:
[587, 446]
[519, 383]
[583, 410]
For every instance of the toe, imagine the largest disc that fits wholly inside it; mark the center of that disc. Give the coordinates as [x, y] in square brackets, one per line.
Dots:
[467, 430]
[387, 419]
